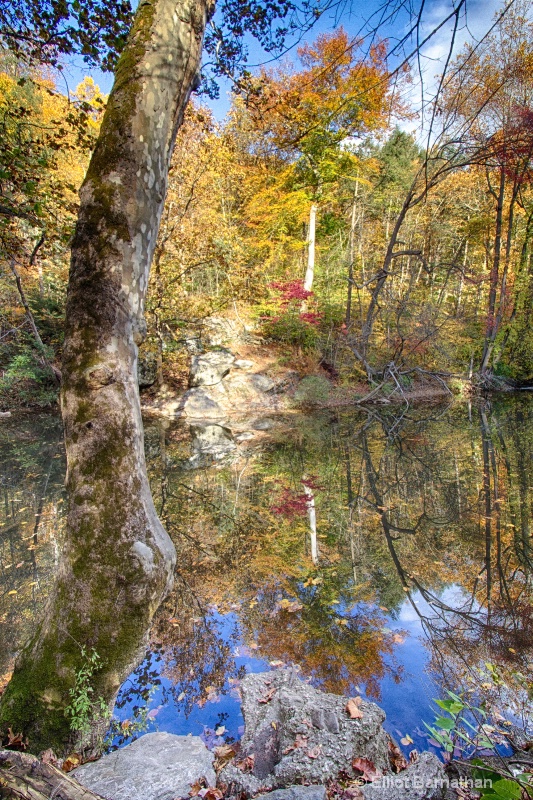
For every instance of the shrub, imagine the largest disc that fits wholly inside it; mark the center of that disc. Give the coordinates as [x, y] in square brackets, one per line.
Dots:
[312, 391]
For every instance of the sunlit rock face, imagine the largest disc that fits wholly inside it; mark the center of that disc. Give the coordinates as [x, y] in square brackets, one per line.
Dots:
[158, 766]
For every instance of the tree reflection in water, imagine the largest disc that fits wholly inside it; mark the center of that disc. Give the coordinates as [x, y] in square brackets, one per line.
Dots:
[432, 510]
[319, 546]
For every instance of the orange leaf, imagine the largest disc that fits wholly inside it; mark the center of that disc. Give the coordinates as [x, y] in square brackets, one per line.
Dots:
[353, 708]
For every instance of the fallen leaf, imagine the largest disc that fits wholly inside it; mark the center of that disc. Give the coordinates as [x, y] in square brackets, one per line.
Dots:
[71, 762]
[300, 741]
[15, 741]
[247, 764]
[210, 793]
[314, 752]
[396, 757]
[353, 708]
[224, 753]
[268, 696]
[353, 793]
[369, 771]
[195, 789]
[181, 697]
[49, 757]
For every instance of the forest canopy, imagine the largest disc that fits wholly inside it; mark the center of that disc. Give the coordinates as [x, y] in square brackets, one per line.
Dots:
[422, 251]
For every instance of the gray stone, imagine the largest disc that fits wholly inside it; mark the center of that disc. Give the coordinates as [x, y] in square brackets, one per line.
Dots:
[146, 370]
[208, 369]
[264, 424]
[302, 734]
[213, 439]
[158, 766]
[197, 404]
[423, 780]
[243, 363]
[261, 383]
[297, 793]
[220, 331]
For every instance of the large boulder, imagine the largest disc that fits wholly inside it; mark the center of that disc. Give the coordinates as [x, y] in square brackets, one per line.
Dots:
[423, 780]
[158, 766]
[208, 369]
[297, 734]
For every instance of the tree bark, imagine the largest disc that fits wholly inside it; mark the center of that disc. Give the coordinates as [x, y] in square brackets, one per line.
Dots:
[118, 561]
[24, 777]
[310, 271]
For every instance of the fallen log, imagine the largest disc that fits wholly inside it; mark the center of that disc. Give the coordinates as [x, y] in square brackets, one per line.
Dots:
[24, 777]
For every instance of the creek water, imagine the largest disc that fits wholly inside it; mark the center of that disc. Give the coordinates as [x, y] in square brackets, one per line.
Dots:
[381, 553]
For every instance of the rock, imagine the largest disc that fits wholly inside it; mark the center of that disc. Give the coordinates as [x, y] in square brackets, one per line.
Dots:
[297, 793]
[158, 766]
[5, 414]
[261, 383]
[208, 369]
[146, 369]
[243, 389]
[423, 780]
[264, 424]
[219, 331]
[242, 363]
[197, 404]
[213, 439]
[245, 436]
[299, 734]
[193, 345]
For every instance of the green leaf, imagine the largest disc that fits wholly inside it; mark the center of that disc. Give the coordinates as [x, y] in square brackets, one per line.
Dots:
[445, 723]
[452, 706]
[506, 789]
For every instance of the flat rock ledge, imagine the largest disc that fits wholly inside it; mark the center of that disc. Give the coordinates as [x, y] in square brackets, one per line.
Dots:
[158, 766]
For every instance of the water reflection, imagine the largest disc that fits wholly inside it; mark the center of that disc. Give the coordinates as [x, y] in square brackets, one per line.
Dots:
[391, 557]
[31, 510]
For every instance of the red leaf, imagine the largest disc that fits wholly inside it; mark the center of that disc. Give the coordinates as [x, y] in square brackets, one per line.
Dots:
[369, 771]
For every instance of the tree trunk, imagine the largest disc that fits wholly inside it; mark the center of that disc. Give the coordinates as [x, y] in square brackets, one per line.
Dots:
[310, 271]
[490, 333]
[118, 561]
[351, 259]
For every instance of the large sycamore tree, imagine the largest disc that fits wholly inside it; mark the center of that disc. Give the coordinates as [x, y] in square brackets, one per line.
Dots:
[117, 561]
